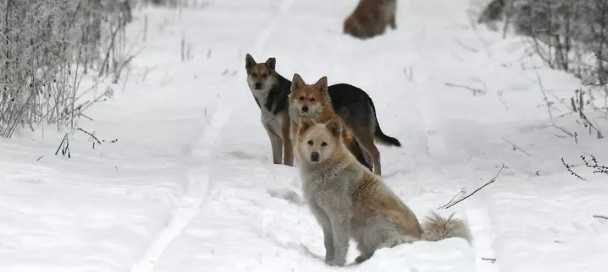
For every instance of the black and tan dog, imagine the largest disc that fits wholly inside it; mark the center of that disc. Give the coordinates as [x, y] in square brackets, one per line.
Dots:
[271, 91]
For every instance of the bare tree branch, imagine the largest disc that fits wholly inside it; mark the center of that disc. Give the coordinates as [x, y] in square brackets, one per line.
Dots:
[462, 198]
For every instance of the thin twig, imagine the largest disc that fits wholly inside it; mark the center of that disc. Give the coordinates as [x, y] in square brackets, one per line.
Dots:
[568, 167]
[464, 46]
[545, 98]
[66, 148]
[92, 136]
[600, 216]
[491, 260]
[452, 203]
[516, 147]
[474, 90]
[61, 144]
[600, 57]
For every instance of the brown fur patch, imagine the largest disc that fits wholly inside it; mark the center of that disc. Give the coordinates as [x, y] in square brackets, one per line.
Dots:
[370, 18]
[372, 198]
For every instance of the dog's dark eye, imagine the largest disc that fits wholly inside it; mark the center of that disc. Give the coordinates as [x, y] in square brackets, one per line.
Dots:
[254, 74]
[310, 142]
[312, 99]
[323, 144]
[301, 98]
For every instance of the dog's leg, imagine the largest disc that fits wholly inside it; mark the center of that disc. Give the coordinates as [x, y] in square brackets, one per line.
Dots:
[293, 134]
[286, 136]
[363, 246]
[377, 233]
[339, 229]
[367, 157]
[392, 22]
[366, 139]
[276, 144]
[395, 240]
[390, 10]
[328, 241]
[328, 238]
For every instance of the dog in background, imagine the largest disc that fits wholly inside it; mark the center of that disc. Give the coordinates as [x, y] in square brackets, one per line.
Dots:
[354, 107]
[370, 18]
[270, 91]
[348, 201]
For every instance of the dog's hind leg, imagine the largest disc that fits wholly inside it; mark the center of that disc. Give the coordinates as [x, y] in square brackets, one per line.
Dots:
[287, 144]
[377, 233]
[363, 157]
[368, 159]
[366, 139]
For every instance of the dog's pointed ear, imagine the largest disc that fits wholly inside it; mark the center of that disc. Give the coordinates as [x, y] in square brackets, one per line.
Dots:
[321, 85]
[305, 124]
[271, 63]
[297, 82]
[249, 62]
[334, 126]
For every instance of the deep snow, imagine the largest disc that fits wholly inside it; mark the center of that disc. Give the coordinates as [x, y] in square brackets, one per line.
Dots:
[189, 185]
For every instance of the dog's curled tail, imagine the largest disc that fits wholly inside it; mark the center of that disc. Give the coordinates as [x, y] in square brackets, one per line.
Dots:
[378, 134]
[438, 228]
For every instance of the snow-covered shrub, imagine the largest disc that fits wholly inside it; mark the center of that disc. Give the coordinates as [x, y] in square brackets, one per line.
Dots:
[46, 46]
[566, 33]
[569, 35]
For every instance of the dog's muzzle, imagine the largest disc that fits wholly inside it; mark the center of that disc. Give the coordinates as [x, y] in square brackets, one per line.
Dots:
[314, 157]
[258, 86]
[305, 109]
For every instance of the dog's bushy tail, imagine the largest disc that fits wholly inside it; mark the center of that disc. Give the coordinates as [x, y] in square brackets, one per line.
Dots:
[438, 228]
[379, 136]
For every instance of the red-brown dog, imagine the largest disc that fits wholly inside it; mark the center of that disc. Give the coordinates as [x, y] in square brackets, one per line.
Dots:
[370, 18]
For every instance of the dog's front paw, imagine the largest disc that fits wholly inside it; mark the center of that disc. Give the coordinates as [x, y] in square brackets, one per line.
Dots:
[334, 262]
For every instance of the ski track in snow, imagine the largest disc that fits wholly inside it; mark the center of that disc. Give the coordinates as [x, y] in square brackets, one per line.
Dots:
[198, 179]
[198, 183]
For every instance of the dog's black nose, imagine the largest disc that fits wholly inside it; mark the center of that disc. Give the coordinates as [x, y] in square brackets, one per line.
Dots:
[258, 85]
[305, 109]
[314, 157]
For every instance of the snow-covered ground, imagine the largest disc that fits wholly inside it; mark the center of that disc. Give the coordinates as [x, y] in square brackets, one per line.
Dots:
[189, 185]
